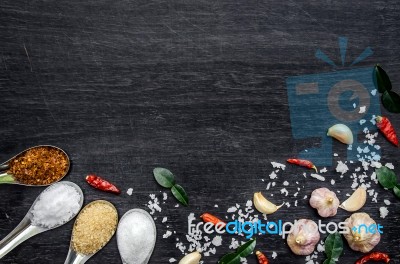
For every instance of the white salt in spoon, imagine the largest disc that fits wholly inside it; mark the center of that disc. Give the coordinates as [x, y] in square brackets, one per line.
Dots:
[26, 229]
[136, 237]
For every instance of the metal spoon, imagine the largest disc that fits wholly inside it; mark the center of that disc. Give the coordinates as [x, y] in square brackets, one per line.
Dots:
[75, 257]
[137, 244]
[7, 178]
[26, 229]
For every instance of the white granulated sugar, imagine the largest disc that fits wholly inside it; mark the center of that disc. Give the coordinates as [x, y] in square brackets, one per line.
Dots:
[323, 170]
[164, 219]
[284, 191]
[318, 177]
[383, 211]
[55, 206]
[136, 237]
[387, 202]
[217, 241]
[172, 260]
[278, 165]
[373, 92]
[129, 191]
[285, 183]
[390, 166]
[167, 234]
[341, 167]
[362, 109]
[273, 175]
[333, 182]
[274, 255]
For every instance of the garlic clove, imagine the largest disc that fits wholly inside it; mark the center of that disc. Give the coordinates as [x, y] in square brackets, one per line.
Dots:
[192, 258]
[342, 133]
[263, 205]
[355, 201]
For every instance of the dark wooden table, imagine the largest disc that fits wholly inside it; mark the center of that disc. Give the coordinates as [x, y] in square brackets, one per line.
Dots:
[198, 87]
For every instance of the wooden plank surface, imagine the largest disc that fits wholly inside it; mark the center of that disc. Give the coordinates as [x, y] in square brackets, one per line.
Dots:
[198, 87]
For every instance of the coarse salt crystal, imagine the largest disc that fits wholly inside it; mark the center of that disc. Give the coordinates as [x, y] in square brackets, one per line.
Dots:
[318, 177]
[172, 260]
[387, 202]
[285, 183]
[390, 166]
[167, 234]
[278, 165]
[383, 211]
[217, 241]
[362, 109]
[342, 167]
[129, 191]
[274, 254]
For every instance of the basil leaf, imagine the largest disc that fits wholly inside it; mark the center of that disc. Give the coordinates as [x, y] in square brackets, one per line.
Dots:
[396, 190]
[382, 80]
[180, 194]
[241, 252]
[391, 101]
[164, 177]
[333, 248]
[386, 177]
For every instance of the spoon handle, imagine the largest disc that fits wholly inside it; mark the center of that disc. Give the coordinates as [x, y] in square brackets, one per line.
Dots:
[21, 233]
[75, 258]
[4, 167]
[6, 178]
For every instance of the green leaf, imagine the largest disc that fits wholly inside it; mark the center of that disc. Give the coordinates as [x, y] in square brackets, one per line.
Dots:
[396, 190]
[391, 101]
[241, 252]
[386, 177]
[164, 177]
[180, 194]
[333, 248]
[382, 80]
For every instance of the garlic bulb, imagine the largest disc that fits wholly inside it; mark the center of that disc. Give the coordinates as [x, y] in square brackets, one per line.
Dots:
[325, 201]
[355, 201]
[342, 133]
[263, 205]
[303, 237]
[192, 258]
[357, 237]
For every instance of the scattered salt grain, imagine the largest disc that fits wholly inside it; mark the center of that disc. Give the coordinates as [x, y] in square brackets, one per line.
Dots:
[341, 167]
[373, 92]
[286, 183]
[284, 191]
[217, 241]
[318, 177]
[383, 211]
[362, 109]
[323, 170]
[129, 191]
[274, 254]
[165, 196]
[333, 182]
[164, 219]
[172, 260]
[387, 202]
[167, 234]
[278, 165]
[390, 166]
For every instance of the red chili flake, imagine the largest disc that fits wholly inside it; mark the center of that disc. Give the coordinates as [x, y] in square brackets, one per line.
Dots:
[212, 219]
[101, 184]
[262, 259]
[303, 163]
[374, 256]
[387, 129]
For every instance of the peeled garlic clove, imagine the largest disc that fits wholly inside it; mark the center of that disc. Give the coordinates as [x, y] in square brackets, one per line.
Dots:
[192, 258]
[263, 205]
[303, 237]
[342, 133]
[359, 238]
[355, 201]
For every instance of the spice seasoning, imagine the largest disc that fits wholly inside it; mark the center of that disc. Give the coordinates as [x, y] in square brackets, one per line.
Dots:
[101, 184]
[39, 166]
[262, 259]
[94, 227]
[213, 219]
[303, 163]
[375, 256]
[56, 205]
[136, 237]
[387, 129]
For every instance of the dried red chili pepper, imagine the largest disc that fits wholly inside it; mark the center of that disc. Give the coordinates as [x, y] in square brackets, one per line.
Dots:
[262, 259]
[303, 163]
[387, 129]
[375, 256]
[212, 219]
[101, 184]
